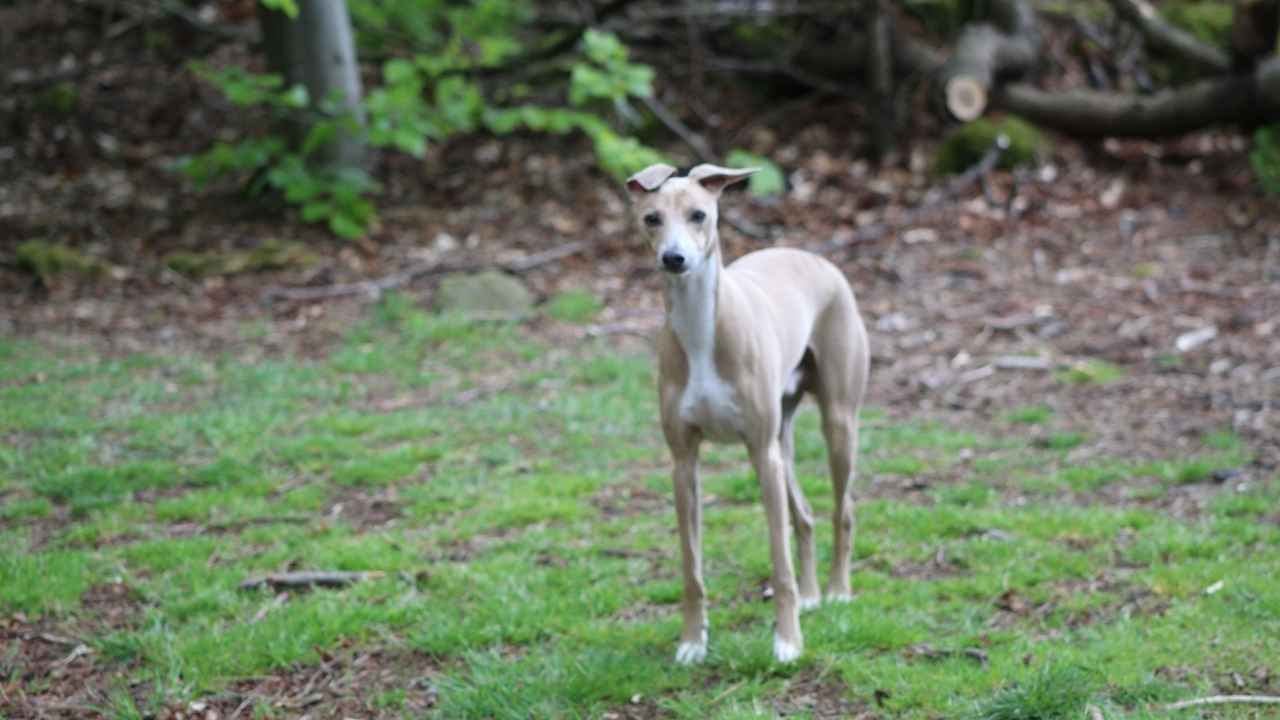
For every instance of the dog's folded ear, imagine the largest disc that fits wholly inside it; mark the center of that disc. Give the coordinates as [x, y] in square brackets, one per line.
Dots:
[649, 179]
[715, 178]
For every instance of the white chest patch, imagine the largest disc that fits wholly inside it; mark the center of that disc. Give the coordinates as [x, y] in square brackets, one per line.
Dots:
[711, 404]
[708, 402]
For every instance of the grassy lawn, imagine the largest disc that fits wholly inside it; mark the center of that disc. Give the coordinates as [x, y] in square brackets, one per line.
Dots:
[515, 493]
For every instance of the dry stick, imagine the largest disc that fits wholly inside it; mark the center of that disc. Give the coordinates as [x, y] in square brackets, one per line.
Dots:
[696, 142]
[375, 288]
[310, 579]
[1224, 700]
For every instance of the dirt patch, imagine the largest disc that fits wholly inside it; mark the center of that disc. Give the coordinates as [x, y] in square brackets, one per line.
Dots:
[1129, 599]
[819, 696]
[344, 684]
[937, 566]
[116, 605]
[47, 672]
[366, 511]
[621, 500]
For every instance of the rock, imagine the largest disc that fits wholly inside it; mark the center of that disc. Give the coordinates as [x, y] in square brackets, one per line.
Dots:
[484, 293]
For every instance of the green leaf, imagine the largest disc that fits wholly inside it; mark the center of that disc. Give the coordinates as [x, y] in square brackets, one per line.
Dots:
[399, 71]
[315, 211]
[295, 97]
[344, 226]
[288, 7]
[768, 180]
[318, 136]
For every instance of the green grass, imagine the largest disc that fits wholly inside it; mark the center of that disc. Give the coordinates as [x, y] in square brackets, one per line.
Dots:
[527, 539]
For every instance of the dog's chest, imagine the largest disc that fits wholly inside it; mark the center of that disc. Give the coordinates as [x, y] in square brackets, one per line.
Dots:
[711, 405]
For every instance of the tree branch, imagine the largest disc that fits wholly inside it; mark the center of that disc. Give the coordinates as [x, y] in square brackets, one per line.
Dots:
[375, 288]
[1170, 39]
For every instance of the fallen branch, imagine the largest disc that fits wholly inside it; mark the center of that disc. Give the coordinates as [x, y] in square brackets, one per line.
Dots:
[1244, 100]
[1173, 40]
[308, 579]
[1224, 700]
[375, 288]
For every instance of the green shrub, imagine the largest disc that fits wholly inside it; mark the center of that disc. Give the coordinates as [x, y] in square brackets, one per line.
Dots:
[428, 93]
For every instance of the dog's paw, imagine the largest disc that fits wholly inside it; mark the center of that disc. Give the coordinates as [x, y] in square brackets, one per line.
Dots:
[785, 651]
[691, 653]
[809, 603]
[839, 597]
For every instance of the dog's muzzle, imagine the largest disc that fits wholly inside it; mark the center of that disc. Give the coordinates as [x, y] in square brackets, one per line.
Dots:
[674, 262]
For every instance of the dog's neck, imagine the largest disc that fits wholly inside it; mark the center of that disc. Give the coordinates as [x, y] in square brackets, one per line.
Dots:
[693, 303]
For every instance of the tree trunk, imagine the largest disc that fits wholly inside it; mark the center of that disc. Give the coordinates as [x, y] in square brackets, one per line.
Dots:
[880, 79]
[332, 76]
[316, 50]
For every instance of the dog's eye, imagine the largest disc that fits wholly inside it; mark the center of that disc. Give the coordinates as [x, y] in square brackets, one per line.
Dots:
[697, 216]
[653, 219]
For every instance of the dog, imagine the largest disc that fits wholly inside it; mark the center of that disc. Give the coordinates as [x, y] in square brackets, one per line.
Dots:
[741, 346]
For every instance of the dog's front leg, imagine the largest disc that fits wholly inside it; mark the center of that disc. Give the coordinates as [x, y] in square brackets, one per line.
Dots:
[788, 643]
[688, 491]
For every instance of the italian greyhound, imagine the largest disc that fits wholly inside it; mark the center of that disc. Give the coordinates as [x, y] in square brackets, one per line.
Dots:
[740, 348]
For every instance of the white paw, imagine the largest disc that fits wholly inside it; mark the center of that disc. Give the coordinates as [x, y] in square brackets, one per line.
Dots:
[691, 653]
[839, 597]
[809, 603]
[785, 652]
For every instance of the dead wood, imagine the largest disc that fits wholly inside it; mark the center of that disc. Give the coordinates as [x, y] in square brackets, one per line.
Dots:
[1170, 39]
[1224, 700]
[375, 288]
[1245, 100]
[985, 53]
[307, 579]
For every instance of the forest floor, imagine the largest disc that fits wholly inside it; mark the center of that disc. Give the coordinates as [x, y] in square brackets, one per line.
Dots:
[1069, 491]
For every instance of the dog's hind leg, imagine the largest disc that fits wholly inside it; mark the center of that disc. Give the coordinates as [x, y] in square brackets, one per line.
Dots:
[842, 380]
[801, 513]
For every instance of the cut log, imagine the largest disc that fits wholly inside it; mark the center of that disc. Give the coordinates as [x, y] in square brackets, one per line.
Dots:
[985, 53]
[308, 579]
[1170, 39]
[1247, 100]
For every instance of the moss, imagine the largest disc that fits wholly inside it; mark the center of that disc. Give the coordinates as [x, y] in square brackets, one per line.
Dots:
[48, 260]
[270, 255]
[967, 144]
[1208, 21]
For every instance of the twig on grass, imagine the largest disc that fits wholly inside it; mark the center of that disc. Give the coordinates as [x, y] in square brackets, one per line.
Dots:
[375, 288]
[307, 579]
[1224, 700]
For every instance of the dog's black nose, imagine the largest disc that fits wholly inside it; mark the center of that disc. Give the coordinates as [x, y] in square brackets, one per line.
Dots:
[672, 261]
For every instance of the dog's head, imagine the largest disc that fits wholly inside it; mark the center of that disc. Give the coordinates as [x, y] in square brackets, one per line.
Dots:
[678, 212]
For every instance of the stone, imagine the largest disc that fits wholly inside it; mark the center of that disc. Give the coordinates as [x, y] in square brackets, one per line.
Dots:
[489, 293]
